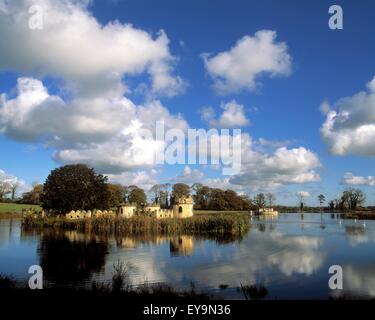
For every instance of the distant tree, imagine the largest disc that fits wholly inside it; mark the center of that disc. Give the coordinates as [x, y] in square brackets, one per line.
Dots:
[202, 198]
[331, 205]
[233, 200]
[166, 189]
[180, 189]
[138, 196]
[321, 199]
[4, 189]
[126, 192]
[115, 194]
[13, 187]
[271, 198]
[217, 200]
[196, 186]
[352, 198]
[156, 190]
[247, 202]
[34, 195]
[260, 200]
[75, 187]
[301, 197]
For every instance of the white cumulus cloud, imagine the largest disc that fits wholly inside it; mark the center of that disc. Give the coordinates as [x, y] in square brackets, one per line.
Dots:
[76, 47]
[250, 58]
[233, 116]
[349, 128]
[350, 179]
[268, 170]
[103, 132]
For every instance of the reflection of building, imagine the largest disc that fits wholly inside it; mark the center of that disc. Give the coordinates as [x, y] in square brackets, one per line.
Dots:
[127, 242]
[181, 246]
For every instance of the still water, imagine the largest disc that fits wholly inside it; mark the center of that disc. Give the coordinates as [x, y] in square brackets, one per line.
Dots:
[289, 255]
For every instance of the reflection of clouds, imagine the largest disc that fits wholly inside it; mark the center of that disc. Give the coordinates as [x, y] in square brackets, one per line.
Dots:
[302, 255]
[147, 257]
[143, 265]
[256, 256]
[359, 234]
[360, 280]
[261, 253]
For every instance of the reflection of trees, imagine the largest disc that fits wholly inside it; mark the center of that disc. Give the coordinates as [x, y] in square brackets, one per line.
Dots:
[355, 230]
[67, 261]
[261, 227]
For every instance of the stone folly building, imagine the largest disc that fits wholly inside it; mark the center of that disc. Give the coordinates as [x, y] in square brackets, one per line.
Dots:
[182, 208]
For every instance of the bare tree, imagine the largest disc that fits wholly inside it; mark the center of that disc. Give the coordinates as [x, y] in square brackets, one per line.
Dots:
[167, 189]
[4, 189]
[352, 198]
[301, 197]
[13, 187]
[156, 191]
[260, 200]
[271, 198]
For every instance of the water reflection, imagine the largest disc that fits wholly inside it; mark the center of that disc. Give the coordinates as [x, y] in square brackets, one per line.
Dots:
[290, 255]
[70, 257]
[182, 245]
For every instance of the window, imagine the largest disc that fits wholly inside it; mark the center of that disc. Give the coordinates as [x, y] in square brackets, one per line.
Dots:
[179, 209]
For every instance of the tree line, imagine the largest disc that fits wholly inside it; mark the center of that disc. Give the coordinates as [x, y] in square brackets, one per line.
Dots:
[73, 187]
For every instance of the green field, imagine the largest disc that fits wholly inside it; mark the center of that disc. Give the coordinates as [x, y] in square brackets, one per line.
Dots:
[16, 208]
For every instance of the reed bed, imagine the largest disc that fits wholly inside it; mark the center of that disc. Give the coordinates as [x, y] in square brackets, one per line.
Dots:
[231, 224]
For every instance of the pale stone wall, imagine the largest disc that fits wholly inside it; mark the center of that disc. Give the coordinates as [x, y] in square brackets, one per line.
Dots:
[78, 214]
[183, 208]
[164, 213]
[127, 211]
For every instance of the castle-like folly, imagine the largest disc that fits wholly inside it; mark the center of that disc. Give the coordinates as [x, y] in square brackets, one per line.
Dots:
[181, 208]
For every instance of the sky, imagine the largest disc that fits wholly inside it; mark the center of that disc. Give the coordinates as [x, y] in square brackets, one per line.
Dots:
[80, 89]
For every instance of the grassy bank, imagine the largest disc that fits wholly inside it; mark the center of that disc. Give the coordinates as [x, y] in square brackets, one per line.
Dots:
[224, 223]
[14, 210]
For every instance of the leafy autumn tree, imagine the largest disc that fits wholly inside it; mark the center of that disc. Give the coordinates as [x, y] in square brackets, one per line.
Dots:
[138, 196]
[75, 187]
[115, 194]
[202, 197]
[180, 189]
[217, 200]
[233, 200]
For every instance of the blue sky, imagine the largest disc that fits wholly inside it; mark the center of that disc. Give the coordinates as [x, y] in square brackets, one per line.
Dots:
[325, 65]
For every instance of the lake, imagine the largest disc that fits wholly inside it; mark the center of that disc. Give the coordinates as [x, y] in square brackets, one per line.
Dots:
[289, 255]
